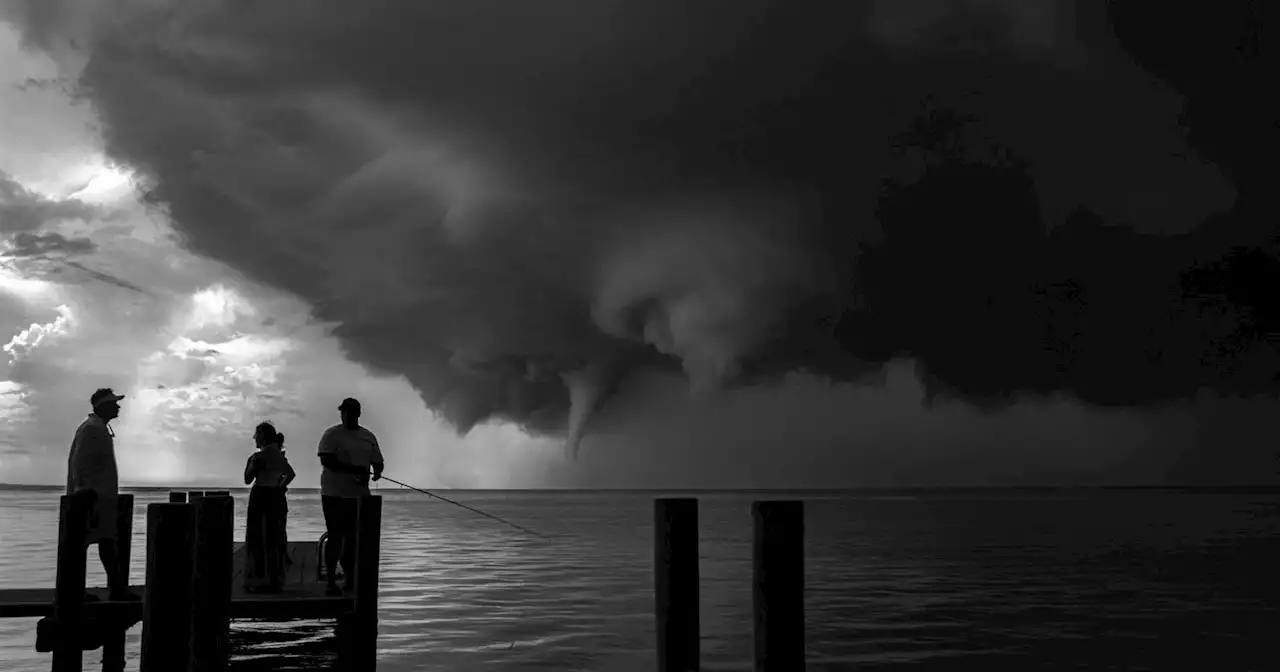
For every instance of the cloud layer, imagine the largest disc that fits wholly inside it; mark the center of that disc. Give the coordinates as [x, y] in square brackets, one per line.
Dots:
[519, 209]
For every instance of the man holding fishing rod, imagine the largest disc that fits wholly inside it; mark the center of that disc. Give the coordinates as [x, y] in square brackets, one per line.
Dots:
[347, 452]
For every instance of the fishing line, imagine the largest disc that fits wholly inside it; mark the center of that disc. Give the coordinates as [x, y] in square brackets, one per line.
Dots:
[702, 554]
[458, 504]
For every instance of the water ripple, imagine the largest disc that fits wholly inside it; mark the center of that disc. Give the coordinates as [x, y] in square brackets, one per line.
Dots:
[1107, 582]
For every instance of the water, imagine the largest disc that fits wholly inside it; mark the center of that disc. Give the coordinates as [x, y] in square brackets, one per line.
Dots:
[1133, 580]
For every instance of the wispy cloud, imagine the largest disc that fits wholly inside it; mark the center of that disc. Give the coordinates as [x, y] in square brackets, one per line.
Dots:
[43, 84]
[104, 277]
[23, 210]
[46, 245]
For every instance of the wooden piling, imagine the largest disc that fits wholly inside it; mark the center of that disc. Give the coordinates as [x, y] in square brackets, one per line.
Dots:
[113, 654]
[68, 605]
[177, 497]
[364, 642]
[778, 585]
[166, 609]
[675, 565]
[211, 592]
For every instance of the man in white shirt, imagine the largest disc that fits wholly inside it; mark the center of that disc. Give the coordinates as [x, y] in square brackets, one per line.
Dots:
[91, 465]
[347, 453]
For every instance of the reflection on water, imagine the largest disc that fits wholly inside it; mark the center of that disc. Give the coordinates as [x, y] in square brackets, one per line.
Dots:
[294, 645]
[1103, 581]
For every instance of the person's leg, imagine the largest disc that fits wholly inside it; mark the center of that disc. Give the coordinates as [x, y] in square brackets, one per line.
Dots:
[103, 534]
[286, 561]
[275, 546]
[111, 565]
[349, 545]
[253, 542]
[331, 506]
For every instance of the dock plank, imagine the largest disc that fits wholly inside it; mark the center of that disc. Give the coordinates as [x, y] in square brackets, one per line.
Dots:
[38, 602]
[292, 602]
[304, 559]
[302, 595]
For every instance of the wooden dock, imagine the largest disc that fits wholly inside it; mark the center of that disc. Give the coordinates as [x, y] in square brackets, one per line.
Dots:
[303, 589]
[193, 589]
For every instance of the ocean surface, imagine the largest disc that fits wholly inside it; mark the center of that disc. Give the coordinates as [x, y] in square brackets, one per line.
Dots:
[948, 580]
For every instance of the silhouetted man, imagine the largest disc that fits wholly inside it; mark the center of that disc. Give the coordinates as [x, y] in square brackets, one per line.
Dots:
[347, 452]
[92, 466]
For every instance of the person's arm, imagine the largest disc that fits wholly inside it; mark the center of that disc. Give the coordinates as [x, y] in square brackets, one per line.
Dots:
[378, 461]
[76, 467]
[289, 475]
[250, 468]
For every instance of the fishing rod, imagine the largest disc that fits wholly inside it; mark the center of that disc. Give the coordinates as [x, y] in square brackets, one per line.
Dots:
[446, 499]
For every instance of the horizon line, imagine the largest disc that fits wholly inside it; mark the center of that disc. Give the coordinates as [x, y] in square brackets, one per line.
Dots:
[857, 488]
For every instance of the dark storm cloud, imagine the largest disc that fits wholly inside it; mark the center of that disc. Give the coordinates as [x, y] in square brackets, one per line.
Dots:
[514, 205]
[1224, 61]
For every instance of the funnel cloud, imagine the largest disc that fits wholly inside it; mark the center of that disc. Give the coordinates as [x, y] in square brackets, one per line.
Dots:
[520, 208]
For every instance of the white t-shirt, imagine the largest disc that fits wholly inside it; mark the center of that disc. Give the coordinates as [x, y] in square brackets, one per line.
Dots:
[358, 447]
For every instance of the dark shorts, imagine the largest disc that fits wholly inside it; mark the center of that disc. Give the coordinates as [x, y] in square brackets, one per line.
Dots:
[339, 515]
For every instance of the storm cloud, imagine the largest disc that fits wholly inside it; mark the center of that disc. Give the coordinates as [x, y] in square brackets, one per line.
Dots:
[518, 206]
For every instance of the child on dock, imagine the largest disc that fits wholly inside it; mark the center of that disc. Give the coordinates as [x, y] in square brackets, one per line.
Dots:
[266, 542]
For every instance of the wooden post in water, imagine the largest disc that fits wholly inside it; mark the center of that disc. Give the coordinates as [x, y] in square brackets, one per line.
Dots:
[113, 656]
[778, 590]
[675, 567]
[211, 592]
[166, 607]
[177, 497]
[68, 594]
[364, 642]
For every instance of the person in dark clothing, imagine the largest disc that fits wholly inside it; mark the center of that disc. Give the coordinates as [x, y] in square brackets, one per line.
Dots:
[266, 542]
[91, 465]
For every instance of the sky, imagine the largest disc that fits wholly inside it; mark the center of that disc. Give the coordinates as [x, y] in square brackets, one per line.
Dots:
[584, 247]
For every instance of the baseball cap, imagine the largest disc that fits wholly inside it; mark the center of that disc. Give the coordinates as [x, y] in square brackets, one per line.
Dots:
[349, 403]
[104, 395]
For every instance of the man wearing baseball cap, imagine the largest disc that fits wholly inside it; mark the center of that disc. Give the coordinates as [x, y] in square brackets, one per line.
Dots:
[347, 452]
[92, 466]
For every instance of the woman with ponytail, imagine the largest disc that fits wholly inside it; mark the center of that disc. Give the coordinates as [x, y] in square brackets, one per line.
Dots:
[266, 544]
